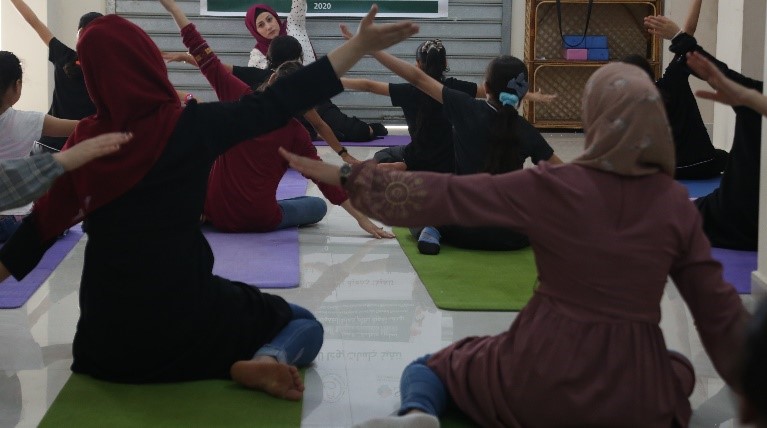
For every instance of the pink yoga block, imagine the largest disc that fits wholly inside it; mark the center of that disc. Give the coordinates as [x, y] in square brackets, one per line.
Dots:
[575, 54]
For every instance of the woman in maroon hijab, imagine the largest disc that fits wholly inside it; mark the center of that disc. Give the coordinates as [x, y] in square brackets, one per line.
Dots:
[150, 308]
[264, 24]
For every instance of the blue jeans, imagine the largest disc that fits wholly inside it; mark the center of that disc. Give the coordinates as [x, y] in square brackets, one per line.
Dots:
[421, 389]
[299, 342]
[8, 225]
[301, 211]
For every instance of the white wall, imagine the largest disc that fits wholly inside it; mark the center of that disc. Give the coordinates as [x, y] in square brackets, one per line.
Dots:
[759, 277]
[17, 36]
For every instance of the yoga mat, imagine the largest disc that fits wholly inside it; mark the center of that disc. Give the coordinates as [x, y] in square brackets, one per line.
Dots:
[738, 266]
[86, 402]
[13, 294]
[698, 188]
[387, 141]
[266, 260]
[473, 280]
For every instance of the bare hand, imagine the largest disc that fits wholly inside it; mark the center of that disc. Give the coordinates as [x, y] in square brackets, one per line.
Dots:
[659, 25]
[540, 97]
[179, 57]
[92, 148]
[371, 228]
[351, 160]
[726, 91]
[393, 166]
[312, 168]
[374, 37]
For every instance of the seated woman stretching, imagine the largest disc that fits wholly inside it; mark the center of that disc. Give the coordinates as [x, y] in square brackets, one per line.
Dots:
[242, 186]
[730, 212]
[70, 98]
[607, 231]
[151, 309]
[489, 136]
[19, 130]
[264, 24]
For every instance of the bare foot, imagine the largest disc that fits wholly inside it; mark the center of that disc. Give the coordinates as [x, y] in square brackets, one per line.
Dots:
[268, 375]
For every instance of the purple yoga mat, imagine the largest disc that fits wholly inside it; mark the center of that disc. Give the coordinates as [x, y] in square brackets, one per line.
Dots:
[387, 141]
[265, 260]
[738, 266]
[13, 294]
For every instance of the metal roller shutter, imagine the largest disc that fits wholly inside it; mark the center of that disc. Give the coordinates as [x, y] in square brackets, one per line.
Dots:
[475, 32]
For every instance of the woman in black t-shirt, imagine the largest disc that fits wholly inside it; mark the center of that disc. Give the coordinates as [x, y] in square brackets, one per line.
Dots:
[431, 148]
[488, 136]
[70, 96]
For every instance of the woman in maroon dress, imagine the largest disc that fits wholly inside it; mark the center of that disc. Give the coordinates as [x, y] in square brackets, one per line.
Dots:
[607, 230]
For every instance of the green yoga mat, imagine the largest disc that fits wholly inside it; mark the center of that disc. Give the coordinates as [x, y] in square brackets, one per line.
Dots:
[86, 402]
[472, 280]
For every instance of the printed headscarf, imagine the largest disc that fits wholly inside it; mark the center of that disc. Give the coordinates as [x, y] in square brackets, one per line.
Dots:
[128, 82]
[262, 43]
[625, 124]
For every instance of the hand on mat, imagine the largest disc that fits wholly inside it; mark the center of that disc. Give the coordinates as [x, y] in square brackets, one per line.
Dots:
[659, 25]
[92, 148]
[311, 168]
[184, 57]
[365, 223]
[726, 91]
[393, 166]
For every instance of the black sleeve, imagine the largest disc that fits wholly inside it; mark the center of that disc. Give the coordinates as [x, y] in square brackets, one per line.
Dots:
[537, 146]
[468, 88]
[222, 125]
[457, 105]
[252, 76]
[401, 94]
[60, 54]
[24, 250]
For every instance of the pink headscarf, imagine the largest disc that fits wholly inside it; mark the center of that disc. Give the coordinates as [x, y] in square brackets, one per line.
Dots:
[262, 43]
[627, 132]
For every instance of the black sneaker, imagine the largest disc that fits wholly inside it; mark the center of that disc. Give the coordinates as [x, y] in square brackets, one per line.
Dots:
[378, 129]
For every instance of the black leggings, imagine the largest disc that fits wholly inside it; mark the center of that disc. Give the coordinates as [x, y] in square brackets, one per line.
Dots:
[731, 212]
[346, 128]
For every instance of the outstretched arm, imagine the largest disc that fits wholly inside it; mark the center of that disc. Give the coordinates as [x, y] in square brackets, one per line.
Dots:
[327, 134]
[725, 90]
[662, 26]
[370, 37]
[29, 15]
[366, 85]
[411, 73]
[365, 223]
[296, 27]
[55, 127]
[181, 21]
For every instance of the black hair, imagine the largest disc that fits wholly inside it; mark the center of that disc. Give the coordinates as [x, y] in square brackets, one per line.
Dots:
[286, 68]
[283, 48]
[432, 58]
[72, 69]
[753, 371]
[640, 62]
[506, 80]
[10, 71]
[87, 18]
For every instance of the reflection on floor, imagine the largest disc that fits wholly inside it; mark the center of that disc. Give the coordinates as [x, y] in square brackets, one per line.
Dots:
[377, 317]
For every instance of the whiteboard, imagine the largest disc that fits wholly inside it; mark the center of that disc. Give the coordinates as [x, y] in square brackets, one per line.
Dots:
[386, 8]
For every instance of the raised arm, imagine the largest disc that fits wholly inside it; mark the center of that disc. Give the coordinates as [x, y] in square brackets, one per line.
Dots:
[691, 24]
[725, 91]
[182, 21]
[366, 85]
[411, 73]
[297, 28]
[55, 127]
[29, 15]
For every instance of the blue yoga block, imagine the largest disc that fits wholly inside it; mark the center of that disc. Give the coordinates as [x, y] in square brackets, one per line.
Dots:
[598, 54]
[596, 42]
[574, 42]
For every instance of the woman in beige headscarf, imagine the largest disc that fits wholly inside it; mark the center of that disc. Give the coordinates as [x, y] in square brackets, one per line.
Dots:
[607, 230]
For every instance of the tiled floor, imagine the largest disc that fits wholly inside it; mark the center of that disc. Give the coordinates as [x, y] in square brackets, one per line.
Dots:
[376, 313]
